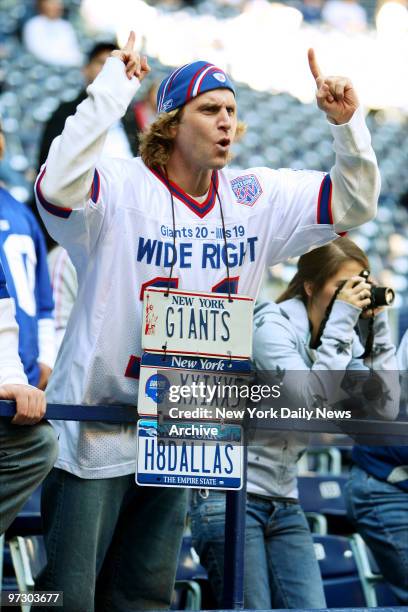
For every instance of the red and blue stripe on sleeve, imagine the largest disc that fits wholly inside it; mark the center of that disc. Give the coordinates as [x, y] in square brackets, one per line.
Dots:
[60, 211]
[324, 204]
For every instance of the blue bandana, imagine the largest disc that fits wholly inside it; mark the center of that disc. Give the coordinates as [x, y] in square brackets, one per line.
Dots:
[189, 81]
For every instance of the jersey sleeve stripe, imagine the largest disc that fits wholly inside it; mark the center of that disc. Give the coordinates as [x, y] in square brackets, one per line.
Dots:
[96, 186]
[324, 205]
[133, 367]
[58, 211]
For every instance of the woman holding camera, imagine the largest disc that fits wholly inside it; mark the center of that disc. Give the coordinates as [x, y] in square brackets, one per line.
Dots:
[310, 331]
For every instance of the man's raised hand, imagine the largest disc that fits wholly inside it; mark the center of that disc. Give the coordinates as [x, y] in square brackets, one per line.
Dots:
[135, 65]
[335, 95]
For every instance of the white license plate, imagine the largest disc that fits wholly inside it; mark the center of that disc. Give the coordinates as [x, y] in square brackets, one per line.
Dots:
[195, 455]
[198, 324]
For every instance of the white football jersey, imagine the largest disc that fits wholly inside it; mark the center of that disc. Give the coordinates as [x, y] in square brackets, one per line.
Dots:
[122, 241]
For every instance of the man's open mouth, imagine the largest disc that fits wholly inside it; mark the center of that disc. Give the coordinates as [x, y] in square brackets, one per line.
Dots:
[224, 142]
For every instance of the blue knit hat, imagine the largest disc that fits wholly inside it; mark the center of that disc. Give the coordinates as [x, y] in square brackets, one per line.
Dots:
[189, 81]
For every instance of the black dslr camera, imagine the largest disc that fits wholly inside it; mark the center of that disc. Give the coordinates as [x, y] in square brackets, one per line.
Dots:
[380, 296]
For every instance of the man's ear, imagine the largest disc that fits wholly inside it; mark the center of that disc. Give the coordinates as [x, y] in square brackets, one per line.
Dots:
[174, 126]
[308, 287]
[173, 129]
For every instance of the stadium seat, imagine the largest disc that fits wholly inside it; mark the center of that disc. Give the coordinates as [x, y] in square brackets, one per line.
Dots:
[324, 495]
[28, 557]
[376, 590]
[14, 561]
[189, 573]
[189, 566]
[317, 523]
[341, 580]
[7, 574]
[186, 596]
[322, 460]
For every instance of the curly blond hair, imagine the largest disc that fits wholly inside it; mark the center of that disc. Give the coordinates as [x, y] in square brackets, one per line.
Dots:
[156, 143]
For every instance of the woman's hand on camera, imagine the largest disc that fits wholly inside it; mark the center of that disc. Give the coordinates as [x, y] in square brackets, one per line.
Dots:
[356, 291]
[369, 312]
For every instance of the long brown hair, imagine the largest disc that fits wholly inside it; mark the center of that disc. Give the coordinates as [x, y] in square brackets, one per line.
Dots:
[320, 264]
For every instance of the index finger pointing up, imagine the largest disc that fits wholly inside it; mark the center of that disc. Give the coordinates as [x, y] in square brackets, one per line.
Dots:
[313, 65]
[130, 42]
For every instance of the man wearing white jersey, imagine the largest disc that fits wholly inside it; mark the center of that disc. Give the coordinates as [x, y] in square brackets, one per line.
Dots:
[176, 217]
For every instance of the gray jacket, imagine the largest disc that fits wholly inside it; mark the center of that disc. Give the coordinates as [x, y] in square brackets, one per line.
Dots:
[282, 345]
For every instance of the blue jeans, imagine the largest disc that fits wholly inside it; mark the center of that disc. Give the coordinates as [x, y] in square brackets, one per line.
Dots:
[379, 511]
[27, 454]
[281, 570]
[112, 546]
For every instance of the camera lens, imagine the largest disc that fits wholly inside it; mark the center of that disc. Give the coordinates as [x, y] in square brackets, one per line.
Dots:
[389, 295]
[383, 296]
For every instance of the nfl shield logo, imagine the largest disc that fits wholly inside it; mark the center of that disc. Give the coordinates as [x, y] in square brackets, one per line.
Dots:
[247, 189]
